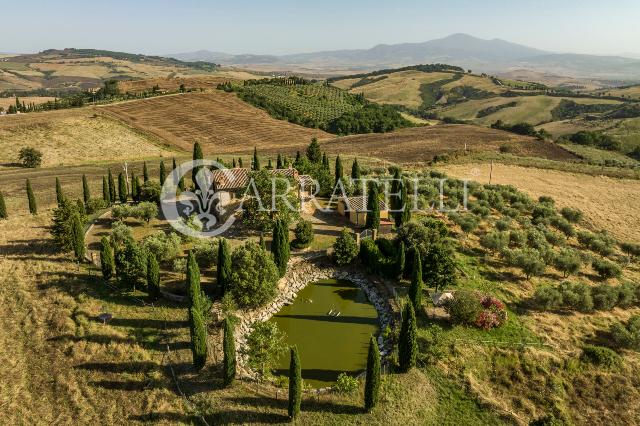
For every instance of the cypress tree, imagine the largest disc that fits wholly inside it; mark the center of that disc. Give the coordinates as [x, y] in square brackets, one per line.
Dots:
[78, 238]
[138, 188]
[198, 332]
[407, 347]
[112, 188]
[373, 207]
[33, 207]
[197, 155]
[405, 214]
[224, 266]
[339, 172]
[415, 291]
[229, 353]
[107, 261]
[134, 188]
[355, 169]
[59, 193]
[193, 282]
[280, 246]
[295, 384]
[233, 164]
[86, 193]
[163, 173]
[153, 277]
[3, 207]
[396, 201]
[314, 153]
[279, 163]
[122, 188]
[105, 191]
[145, 172]
[325, 160]
[269, 165]
[256, 160]
[372, 384]
[400, 260]
[263, 243]
[80, 208]
[298, 158]
[240, 163]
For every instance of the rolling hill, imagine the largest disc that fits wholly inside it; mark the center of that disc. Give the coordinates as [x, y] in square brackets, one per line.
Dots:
[494, 56]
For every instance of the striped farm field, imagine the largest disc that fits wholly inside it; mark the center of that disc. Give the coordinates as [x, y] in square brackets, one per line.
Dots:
[219, 121]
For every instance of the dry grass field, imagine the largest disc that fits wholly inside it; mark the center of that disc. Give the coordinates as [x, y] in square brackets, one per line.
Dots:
[401, 88]
[172, 83]
[74, 136]
[530, 109]
[608, 203]
[420, 144]
[220, 121]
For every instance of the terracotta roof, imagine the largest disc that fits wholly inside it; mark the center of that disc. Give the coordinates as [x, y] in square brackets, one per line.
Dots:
[306, 181]
[359, 203]
[235, 179]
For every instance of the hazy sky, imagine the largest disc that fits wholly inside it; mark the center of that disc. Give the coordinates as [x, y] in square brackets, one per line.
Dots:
[283, 26]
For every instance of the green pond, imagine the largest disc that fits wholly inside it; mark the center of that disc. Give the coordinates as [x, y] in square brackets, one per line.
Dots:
[330, 322]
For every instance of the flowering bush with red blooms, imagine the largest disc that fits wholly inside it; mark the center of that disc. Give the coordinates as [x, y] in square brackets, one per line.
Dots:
[493, 315]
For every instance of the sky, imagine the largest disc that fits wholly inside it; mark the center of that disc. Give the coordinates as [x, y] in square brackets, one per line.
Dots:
[284, 26]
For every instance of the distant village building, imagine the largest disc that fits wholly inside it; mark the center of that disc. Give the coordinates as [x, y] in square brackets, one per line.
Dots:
[231, 184]
[355, 208]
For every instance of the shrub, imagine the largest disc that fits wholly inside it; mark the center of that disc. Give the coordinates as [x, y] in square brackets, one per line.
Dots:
[164, 247]
[265, 344]
[627, 336]
[606, 269]
[464, 307]
[255, 275]
[568, 262]
[626, 295]
[30, 157]
[543, 211]
[605, 297]
[95, 205]
[577, 296]
[467, 222]
[495, 241]
[517, 238]
[503, 225]
[131, 263]
[631, 250]
[554, 238]
[529, 261]
[303, 234]
[563, 225]
[345, 249]
[346, 384]
[150, 192]
[601, 356]
[572, 215]
[481, 211]
[206, 252]
[548, 298]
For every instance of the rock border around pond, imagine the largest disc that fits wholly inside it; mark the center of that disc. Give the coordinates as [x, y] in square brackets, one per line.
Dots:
[303, 270]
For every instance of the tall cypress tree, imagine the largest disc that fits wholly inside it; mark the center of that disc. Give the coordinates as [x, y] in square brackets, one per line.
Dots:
[280, 246]
[134, 188]
[279, 163]
[325, 161]
[269, 165]
[372, 384]
[78, 238]
[355, 169]
[163, 173]
[145, 172]
[339, 172]
[407, 346]
[373, 207]
[400, 260]
[234, 164]
[240, 163]
[86, 193]
[122, 188]
[112, 188]
[193, 282]
[256, 160]
[107, 261]
[153, 277]
[59, 193]
[33, 207]
[197, 155]
[224, 266]
[415, 291]
[229, 353]
[105, 191]
[405, 215]
[3, 207]
[395, 198]
[262, 242]
[137, 185]
[314, 153]
[197, 329]
[295, 384]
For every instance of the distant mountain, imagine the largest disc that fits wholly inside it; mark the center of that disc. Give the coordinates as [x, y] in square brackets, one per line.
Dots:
[493, 56]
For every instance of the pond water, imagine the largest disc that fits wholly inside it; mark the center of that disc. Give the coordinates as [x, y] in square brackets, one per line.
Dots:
[330, 322]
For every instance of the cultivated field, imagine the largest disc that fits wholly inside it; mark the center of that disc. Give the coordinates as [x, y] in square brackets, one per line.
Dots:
[172, 83]
[421, 144]
[530, 109]
[611, 204]
[36, 100]
[73, 136]
[401, 88]
[220, 121]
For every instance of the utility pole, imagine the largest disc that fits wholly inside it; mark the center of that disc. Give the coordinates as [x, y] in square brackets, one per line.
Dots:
[491, 172]
[125, 166]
